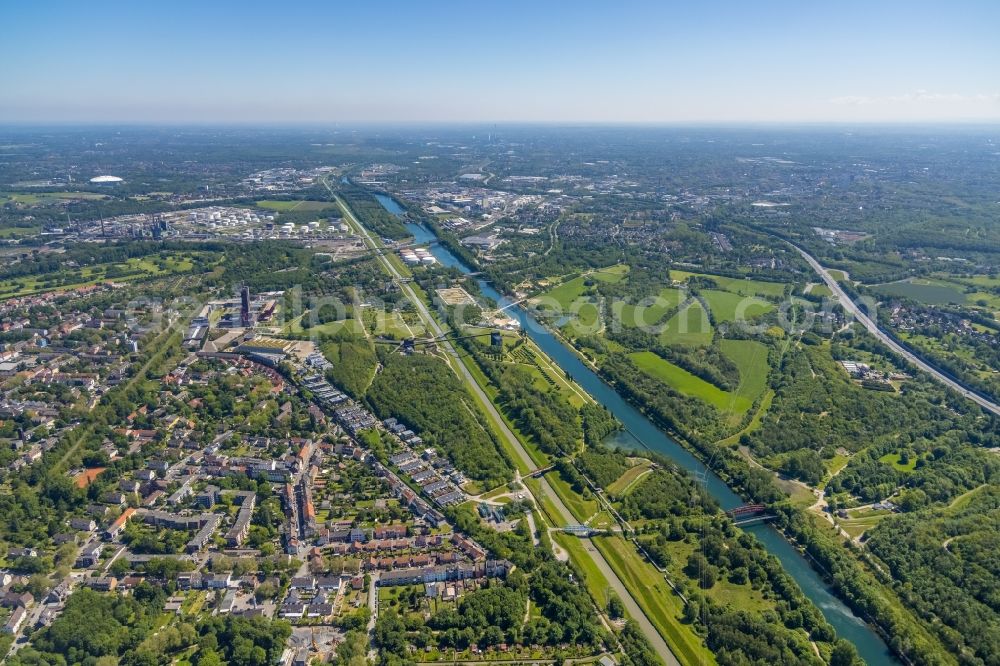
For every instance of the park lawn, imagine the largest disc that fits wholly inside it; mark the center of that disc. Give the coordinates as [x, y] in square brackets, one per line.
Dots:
[689, 326]
[655, 598]
[723, 592]
[650, 313]
[894, 460]
[688, 384]
[294, 327]
[837, 275]
[833, 467]
[583, 319]
[151, 266]
[390, 323]
[136, 268]
[624, 482]
[16, 197]
[984, 281]
[727, 306]
[741, 286]
[301, 206]
[538, 458]
[983, 299]
[555, 376]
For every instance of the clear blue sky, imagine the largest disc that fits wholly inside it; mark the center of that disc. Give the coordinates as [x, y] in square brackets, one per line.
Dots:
[421, 60]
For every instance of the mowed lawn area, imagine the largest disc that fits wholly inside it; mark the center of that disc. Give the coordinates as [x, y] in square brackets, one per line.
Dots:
[748, 355]
[295, 328]
[896, 460]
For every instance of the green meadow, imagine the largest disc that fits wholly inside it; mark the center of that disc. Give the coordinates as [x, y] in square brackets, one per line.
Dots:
[727, 306]
[689, 326]
[929, 291]
[131, 269]
[744, 287]
[651, 313]
[305, 206]
[748, 355]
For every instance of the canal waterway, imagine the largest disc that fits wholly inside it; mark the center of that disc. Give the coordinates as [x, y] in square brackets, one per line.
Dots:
[639, 432]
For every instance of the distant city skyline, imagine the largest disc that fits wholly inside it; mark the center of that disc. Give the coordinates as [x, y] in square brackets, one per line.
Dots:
[422, 62]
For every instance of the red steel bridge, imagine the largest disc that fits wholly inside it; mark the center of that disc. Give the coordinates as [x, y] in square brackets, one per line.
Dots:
[749, 513]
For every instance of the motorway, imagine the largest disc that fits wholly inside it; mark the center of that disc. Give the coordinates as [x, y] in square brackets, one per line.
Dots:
[851, 307]
[631, 606]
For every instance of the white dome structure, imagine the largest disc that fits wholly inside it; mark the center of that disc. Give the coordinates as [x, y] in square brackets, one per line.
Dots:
[105, 180]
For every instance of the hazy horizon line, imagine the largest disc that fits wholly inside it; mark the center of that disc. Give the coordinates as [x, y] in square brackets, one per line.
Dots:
[342, 124]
